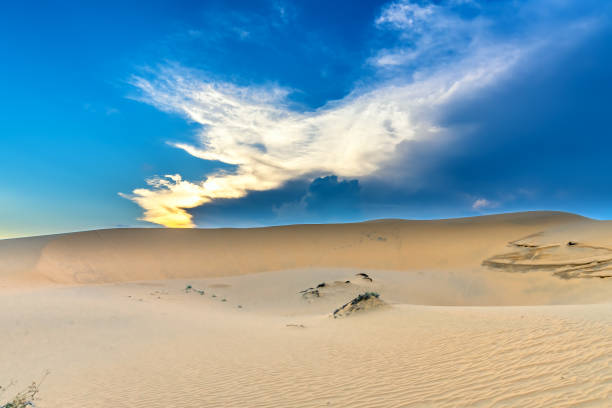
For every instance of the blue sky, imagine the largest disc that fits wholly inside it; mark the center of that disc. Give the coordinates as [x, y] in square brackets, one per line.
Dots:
[249, 113]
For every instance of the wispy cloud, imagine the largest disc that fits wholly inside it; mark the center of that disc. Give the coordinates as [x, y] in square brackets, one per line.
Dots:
[430, 33]
[167, 199]
[483, 204]
[254, 128]
[270, 144]
[222, 24]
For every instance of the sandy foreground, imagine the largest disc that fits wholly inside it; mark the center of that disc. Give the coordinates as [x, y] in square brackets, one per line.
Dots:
[509, 310]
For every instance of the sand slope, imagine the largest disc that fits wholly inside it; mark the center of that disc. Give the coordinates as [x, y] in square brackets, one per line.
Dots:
[494, 311]
[119, 255]
[153, 345]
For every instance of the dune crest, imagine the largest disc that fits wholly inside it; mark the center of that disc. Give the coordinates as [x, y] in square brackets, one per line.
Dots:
[123, 255]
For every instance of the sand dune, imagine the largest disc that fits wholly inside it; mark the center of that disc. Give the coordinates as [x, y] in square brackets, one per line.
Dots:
[496, 311]
[120, 255]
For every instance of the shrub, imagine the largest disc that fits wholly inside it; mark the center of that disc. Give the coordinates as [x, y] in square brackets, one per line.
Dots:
[349, 305]
[24, 398]
[364, 296]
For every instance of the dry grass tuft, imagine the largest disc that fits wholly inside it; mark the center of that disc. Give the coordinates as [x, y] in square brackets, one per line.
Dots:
[25, 398]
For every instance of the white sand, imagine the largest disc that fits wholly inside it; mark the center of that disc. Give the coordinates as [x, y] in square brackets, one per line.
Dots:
[107, 314]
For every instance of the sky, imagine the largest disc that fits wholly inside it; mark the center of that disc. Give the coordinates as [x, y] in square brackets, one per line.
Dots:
[252, 113]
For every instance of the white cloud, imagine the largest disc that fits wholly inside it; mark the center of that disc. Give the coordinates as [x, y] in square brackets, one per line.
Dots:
[428, 33]
[483, 204]
[405, 15]
[254, 129]
[166, 200]
[270, 144]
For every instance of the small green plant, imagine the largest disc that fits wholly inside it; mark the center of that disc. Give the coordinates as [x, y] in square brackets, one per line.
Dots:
[224, 300]
[364, 296]
[355, 302]
[188, 289]
[26, 397]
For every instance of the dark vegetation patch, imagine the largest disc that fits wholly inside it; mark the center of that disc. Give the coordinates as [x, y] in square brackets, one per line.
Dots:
[364, 301]
[364, 276]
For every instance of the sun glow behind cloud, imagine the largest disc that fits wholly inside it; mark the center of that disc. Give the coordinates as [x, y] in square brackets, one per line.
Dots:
[270, 144]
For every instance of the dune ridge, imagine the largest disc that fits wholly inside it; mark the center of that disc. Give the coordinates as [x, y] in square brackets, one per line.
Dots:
[121, 255]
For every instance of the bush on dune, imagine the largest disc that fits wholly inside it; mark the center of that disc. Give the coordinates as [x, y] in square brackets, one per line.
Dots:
[364, 301]
[24, 398]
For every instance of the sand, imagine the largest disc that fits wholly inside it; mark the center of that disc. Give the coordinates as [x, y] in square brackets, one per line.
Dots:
[495, 311]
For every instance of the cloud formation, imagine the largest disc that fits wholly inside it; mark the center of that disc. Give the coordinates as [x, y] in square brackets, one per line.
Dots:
[325, 199]
[483, 204]
[430, 33]
[269, 143]
[167, 199]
